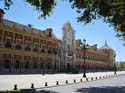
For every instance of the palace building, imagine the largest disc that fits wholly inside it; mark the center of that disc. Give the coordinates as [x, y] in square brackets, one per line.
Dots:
[96, 59]
[23, 48]
[27, 49]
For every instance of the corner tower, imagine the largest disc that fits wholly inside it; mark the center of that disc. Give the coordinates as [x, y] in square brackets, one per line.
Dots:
[110, 52]
[1, 15]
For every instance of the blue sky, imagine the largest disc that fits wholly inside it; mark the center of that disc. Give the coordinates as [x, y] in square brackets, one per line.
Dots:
[94, 33]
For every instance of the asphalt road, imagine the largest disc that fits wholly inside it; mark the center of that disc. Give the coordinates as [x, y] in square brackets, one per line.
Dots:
[110, 85]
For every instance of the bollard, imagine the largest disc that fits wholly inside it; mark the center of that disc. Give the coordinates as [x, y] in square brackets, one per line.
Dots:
[74, 81]
[106, 76]
[81, 80]
[15, 87]
[57, 83]
[32, 85]
[103, 76]
[46, 84]
[86, 79]
[66, 81]
[91, 78]
[100, 77]
[96, 78]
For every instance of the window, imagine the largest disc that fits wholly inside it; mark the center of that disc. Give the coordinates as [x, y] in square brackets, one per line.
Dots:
[35, 49]
[27, 46]
[49, 50]
[43, 49]
[69, 48]
[8, 43]
[18, 44]
[35, 45]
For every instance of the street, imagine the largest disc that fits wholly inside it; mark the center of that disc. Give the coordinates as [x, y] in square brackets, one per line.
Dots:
[111, 85]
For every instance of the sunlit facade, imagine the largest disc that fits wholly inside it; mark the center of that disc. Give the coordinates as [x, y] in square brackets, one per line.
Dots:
[96, 59]
[27, 49]
[72, 52]
[23, 48]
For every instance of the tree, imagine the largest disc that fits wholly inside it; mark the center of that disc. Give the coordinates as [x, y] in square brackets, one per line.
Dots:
[122, 65]
[111, 11]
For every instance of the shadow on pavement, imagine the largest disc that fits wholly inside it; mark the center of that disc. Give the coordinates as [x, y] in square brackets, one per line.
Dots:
[105, 89]
[37, 91]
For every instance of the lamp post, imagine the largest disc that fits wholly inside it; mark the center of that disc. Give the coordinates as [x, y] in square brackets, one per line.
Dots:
[114, 64]
[84, 50]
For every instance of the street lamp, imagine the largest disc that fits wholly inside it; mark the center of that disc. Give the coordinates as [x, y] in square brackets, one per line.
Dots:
[114, 64]
[84, 50]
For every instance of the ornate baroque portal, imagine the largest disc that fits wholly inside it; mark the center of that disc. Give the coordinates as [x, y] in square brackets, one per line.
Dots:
[68, 47]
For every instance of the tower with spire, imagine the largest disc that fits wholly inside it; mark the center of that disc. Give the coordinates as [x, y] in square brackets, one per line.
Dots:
[110, 53]
[68, 47]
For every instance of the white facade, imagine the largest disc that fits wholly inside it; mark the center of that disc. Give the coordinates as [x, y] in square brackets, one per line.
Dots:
[68, 47]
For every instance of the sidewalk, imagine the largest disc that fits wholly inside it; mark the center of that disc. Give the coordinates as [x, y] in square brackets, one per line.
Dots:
[7, 82]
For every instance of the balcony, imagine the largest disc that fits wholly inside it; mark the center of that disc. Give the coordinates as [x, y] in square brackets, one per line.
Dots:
[7, 45]
[55, 52]
[49, 52]
[18, 47]
[27, 48]
[43, 50]
[35, 49]
[70, 54]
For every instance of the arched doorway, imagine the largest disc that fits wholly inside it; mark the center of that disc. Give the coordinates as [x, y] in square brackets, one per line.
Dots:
[55, 66]
[7, 64]
[42, 63]
[17, 64]
[68, 67]
[49, 65]
[35, 65]
[26, 64]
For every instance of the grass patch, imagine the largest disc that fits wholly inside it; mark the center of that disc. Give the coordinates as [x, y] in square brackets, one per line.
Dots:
[10, 91]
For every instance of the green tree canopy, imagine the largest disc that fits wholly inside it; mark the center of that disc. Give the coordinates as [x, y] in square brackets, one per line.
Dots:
[111, 11]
